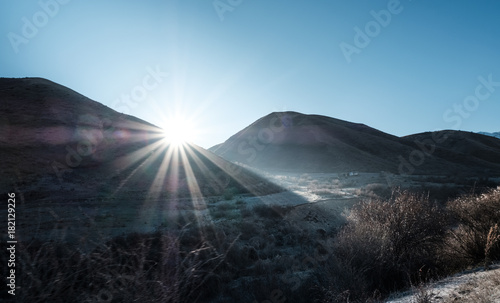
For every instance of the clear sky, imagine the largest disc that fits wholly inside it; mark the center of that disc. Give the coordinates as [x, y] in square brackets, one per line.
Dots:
[400, 66]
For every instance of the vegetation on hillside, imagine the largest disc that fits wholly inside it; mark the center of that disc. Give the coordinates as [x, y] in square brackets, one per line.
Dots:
[254, 253]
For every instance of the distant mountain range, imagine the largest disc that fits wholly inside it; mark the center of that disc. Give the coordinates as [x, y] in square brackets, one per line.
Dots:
[291, 141]
[495, 134]
[54, 140]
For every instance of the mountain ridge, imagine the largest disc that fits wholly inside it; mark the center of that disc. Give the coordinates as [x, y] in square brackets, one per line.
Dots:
[494, 134]
[51, 136]
[314, 143]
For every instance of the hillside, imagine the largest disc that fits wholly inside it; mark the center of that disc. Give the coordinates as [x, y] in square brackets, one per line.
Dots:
[49, 129]
[495, 134]
[62, 152]
[290, 141]
[100, 194]
[45, 125]
[474, 151]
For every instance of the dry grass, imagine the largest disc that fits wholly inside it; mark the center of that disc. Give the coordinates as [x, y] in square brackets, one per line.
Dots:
[492, 242]
[139, 267]
[390, 242]
[422, 295]
[474, 240]
[484, 289]
[386, 245]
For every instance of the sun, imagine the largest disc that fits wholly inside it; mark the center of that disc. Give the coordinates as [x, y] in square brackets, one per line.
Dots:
[179, 130]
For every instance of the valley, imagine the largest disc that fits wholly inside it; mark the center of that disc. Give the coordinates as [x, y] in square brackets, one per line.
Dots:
[292, 207]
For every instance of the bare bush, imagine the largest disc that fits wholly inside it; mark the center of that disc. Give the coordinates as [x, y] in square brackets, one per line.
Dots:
[376, 190]
[492, 242]
[142, 267]
[474, 216]
[390, 242]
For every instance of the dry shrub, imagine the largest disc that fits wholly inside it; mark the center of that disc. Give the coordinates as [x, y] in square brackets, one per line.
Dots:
[475, 216]
[138, 267]
[478, 289]
[492, 242]
[392, 243]
[376, 190]
[273, 212]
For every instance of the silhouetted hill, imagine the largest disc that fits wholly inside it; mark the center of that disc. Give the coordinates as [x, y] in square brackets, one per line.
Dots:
[463, 152]
[495, 134]
[290, 141]
[54, 140]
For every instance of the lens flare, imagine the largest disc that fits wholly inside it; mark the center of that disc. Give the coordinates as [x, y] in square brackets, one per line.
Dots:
[179, 130]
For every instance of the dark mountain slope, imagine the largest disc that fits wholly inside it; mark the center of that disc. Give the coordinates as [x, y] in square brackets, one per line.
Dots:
[494, 134]
[54, 139]
[478, 153]
[290, 141]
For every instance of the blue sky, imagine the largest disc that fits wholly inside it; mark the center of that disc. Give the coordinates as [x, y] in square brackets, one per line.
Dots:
[419, 66]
